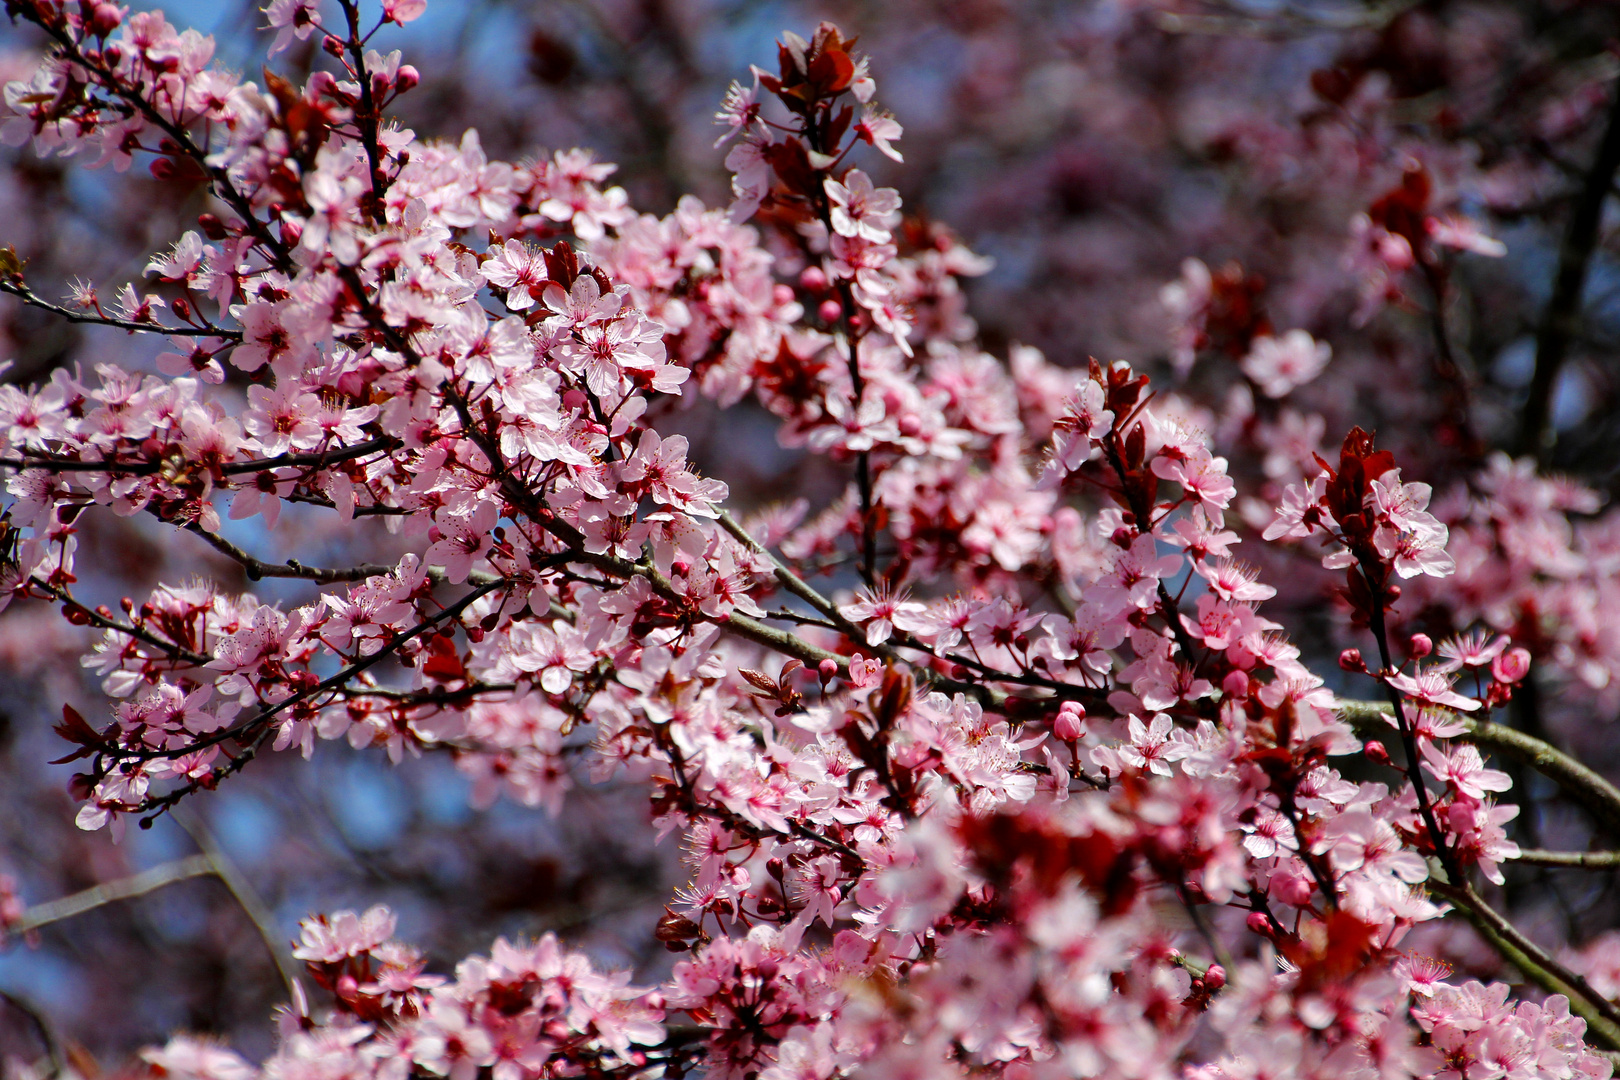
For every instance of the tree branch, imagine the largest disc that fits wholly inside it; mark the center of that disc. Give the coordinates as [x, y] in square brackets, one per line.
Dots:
[246, 896]
[1595, 794]
[111, 891]
[16, 287]
[1559, 319]
[1578, 860]
[1601, 1015]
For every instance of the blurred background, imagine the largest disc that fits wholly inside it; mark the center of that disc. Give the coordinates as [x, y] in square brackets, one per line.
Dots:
[1088, 148]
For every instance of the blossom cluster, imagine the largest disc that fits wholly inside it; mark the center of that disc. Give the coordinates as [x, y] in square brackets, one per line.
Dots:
[934, 820]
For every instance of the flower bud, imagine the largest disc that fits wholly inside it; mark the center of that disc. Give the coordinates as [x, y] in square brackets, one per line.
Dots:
[1070, 723]
[1376, 753]
[105, 19]
[406, 78]
[1350, 660]
[1421, 645]
[1215, 977]
[813, 278]
[1259, 924]
[1511, 666]
[828, 670]
[830, 310]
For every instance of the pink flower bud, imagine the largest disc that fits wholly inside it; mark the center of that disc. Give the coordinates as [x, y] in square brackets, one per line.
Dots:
[813, 278]
[1421, 646]
[1236, 685]
[1070, 723]
[1215, 977]
[1259, 924]
[828, 670]
[406, 78]
[1511, 666]
[105, 19]
[830, 310]
[1375, 753]
[1350, 660]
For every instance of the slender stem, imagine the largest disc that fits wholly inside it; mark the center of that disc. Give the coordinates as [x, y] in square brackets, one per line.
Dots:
[311, 459]
[21, 291]
[246, 896]
[247, 729]
[1579, 860]
[112, 891]
[367, 116]
[255, 569]
[95, 618]
[1414, 770]
[43, 1028]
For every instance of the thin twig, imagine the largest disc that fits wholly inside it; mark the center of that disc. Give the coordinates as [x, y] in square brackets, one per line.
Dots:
[246, 896]
[256, 569]
[1580, 860]
[44, 1028]
[111, 891]
[15, 287]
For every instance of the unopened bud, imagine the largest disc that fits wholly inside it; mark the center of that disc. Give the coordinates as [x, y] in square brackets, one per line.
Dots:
[1421, 645]
[105, 19]
[1350, 660]
[830, 310]
[1070, 723]
[1259, 924]
[813, 278]
[1376, 753]
[828, 670]
[1215, 977]
[1236, 684]
[406, 78]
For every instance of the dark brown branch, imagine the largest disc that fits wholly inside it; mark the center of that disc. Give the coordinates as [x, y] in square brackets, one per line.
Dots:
[171, 649]
[249, 728]
[22, 292]
[257, 569]
[310, 459]
[1560, 318]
